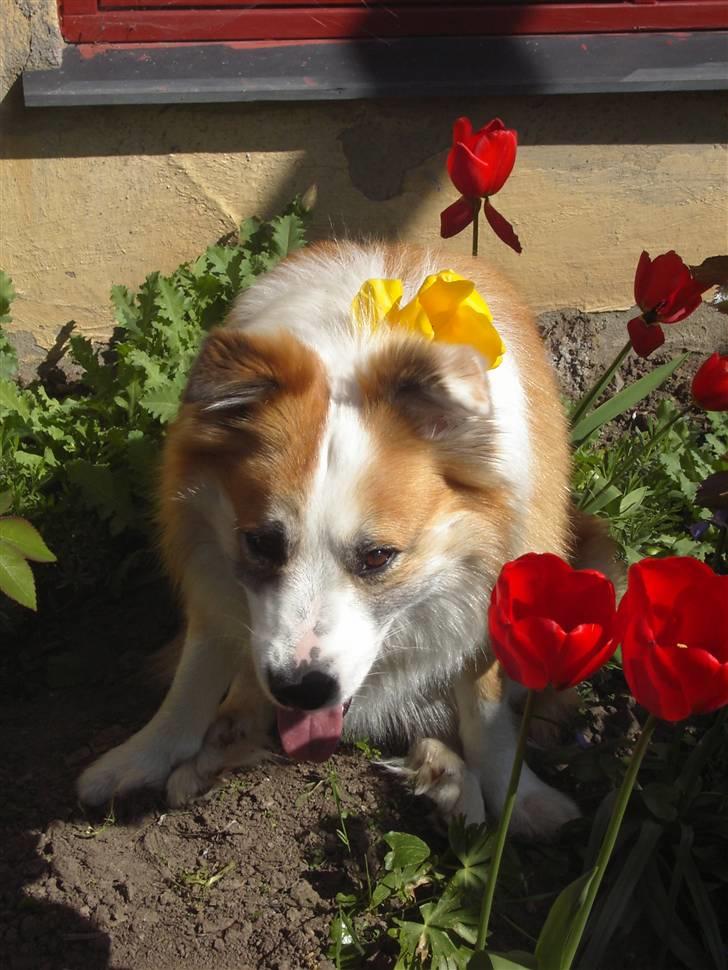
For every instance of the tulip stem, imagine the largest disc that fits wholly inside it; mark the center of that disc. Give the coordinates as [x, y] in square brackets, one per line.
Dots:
[576, 930]
[582, 406]
[476, 225]
[505, 819]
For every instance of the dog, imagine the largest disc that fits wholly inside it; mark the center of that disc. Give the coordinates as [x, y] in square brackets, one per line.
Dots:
[336, 502]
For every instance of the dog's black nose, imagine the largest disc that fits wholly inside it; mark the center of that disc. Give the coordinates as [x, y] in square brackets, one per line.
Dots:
[315, 689]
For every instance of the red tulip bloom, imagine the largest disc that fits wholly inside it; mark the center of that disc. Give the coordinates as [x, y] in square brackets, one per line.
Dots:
[479, 164]
[710, 384]
[666, 292]
[549, 623]
[673, 625]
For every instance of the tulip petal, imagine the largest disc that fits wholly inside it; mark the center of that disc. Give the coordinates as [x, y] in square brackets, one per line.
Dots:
[656, 685]
[528, 649]
[502, 148]
[456, 217]
[640, 277]
[501, 227]
[645, 337]
[710, 384]
[462, 130]
[658, 278]
[469, 174]
[584, 651]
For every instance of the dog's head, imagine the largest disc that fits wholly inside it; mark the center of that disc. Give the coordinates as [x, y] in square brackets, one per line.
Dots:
[336, 511]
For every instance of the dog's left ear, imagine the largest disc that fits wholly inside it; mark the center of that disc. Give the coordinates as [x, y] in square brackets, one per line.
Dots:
[442, 392]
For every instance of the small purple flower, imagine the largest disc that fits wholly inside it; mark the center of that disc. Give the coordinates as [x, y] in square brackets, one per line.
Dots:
[698, 529]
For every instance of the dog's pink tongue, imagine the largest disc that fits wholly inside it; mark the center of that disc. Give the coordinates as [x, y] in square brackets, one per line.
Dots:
[310, 735]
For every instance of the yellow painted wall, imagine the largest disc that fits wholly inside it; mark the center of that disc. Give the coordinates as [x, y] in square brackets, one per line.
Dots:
[95, 196]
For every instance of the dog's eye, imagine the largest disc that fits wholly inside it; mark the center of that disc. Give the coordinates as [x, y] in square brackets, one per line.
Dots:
[375, 560]
[267, 546]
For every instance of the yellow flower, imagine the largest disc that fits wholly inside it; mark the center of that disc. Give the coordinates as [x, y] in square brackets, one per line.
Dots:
[447, 307]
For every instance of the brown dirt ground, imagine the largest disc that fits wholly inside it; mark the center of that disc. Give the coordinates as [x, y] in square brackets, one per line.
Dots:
[84, 893]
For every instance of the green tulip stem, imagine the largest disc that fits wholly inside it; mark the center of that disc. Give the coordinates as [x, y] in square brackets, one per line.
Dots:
[576, 930]
[600, 385]
[476, 224]
[505, 819]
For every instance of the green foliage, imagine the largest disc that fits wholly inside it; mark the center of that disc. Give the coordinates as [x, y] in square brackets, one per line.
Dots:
[623, 401]
[82, 465]
[644, 483]
[427, 905]
[19, 542]
[670, 869]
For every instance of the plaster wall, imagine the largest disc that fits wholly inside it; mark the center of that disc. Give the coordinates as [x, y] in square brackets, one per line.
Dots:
[95, 196]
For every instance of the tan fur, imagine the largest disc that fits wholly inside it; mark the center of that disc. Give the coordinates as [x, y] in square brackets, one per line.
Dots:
[269, 448]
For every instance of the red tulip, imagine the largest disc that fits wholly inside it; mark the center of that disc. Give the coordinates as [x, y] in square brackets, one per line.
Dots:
[710, 384]
[549, 623]
[479, 164]
[666, 292]
[673, 625]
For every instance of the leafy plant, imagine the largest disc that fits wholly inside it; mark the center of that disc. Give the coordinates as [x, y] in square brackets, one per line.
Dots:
[645, 482]
[82, 461]
[426, 904]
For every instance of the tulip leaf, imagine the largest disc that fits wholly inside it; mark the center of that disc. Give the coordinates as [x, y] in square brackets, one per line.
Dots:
[657, 904]
[705, 913]
[625, 400]
[555, 936]
[514, 960]
[662, 799]
[608, 918]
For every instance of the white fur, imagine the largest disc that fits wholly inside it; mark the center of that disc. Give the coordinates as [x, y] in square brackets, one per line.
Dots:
[402, 672]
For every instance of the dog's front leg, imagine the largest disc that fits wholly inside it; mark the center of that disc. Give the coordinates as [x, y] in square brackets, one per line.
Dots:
[206, 668]
[489, 738]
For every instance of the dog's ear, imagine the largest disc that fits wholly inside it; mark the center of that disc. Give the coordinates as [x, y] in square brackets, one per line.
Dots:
[442, 392]
[229, 374]
[234, 372]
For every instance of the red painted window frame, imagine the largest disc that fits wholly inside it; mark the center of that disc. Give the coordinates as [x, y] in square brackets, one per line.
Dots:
[175, 21]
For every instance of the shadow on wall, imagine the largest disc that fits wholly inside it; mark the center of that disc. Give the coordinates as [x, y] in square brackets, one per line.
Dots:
[372, 144]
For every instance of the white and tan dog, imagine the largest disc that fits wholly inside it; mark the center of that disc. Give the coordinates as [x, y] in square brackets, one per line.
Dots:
[336, 504]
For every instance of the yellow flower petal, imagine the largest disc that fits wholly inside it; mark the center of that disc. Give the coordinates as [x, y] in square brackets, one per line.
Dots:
[447, 307]
[375, 300]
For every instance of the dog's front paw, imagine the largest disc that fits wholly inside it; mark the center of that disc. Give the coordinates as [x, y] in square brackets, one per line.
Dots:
[134, 764]
[228, 744]
[540, 811]
[442, 775]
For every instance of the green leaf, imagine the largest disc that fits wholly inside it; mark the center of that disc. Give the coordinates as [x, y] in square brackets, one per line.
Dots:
[632, 500]
[6, 500]
[407, 850]
[681, 941]
[473, 847]
[127, 313]
[607, 918]
[16, 576]
[7, 295]
[662, 800]
[503, 961]
[554, 936]
[705, 914]
[162, 402]
[626, 399]
[12, 399]
[287, 234]
[26, 539]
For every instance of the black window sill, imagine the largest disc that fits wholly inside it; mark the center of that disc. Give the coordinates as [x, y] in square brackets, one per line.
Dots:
[338, 70]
